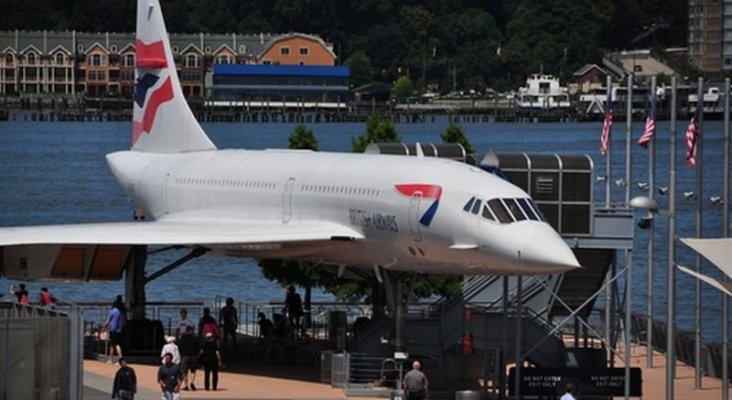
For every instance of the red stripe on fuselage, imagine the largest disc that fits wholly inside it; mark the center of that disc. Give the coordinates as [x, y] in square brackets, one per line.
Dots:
[428, 191]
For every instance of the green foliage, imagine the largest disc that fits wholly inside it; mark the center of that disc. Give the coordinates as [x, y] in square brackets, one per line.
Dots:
[403, 87]
[378, 130]
[303, 138]
[454, 134]
[361, 70]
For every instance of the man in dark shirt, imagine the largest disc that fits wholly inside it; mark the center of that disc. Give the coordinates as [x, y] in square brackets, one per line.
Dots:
[169, 378]
[125, 382]
[415, 383]
[229, 321]
[189, 346]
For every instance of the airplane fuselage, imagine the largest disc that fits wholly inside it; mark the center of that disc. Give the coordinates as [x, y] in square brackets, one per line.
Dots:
[410, 211]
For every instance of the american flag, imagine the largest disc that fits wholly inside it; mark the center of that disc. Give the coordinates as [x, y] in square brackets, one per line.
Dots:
[650, 126]
[692, 135]
[607, 126]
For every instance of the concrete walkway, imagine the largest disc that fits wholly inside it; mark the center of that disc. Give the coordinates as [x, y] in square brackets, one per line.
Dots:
[255, 382]
[301, 382]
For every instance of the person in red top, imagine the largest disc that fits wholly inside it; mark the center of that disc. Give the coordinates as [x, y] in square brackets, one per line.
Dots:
[45, 298]
[22, 294]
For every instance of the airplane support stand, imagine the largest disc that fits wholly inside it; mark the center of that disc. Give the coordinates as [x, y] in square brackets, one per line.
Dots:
[397, 300]
[135, 279]
[135, 283]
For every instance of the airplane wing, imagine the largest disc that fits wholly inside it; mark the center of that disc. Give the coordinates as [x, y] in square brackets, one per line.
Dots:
[176, 232]
[101, 250]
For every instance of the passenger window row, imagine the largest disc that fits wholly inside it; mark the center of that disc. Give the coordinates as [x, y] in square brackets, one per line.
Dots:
[504, 210]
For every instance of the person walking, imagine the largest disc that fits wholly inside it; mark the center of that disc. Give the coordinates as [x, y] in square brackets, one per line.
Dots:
[568, 392]
[183, 323]
[170, 378]
[229, 321]
[114, 325]
[211, 359]
[207, 324]
[189, 347]
[293, 309]
[415, 383]
[125, 382]
[172, 348]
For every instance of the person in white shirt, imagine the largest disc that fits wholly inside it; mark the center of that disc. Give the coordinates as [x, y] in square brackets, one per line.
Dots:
[171, 348]
[183, 323]
[568, 392]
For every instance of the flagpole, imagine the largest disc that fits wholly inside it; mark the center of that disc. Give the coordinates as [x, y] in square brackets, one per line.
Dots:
[651, 230]
[608, 159]
[698, 191]
[628, 138]
[725, 233]
[671, 267]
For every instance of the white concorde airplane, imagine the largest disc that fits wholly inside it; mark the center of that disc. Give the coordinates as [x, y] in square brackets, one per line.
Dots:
[368, 211]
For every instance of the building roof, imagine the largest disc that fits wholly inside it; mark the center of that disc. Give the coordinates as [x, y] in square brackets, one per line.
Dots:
[640, 63]
[288, 36]
[47, 41]
[587, 68]
[282, 70]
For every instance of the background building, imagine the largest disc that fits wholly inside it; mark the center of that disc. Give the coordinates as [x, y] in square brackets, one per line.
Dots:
[706, 21]
[317, 85]
[102, 64]
[727, 37]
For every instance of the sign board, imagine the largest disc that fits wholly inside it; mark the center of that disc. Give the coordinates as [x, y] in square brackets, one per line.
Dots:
[587, 381]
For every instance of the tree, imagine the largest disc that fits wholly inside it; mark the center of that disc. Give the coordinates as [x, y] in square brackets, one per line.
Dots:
[403, 87]
[454, 134]
[378, 130]
[303, 138]
[360, 66]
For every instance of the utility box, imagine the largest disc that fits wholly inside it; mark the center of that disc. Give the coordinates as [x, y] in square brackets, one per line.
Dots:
[340, 370]
[326, 366]
[561, 185]
[337, 329]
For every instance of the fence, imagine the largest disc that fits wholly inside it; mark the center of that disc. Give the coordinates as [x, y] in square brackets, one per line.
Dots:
[41, 353]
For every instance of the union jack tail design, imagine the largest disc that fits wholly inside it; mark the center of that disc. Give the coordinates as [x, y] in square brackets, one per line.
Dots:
[692, 136]
[162, 122]
[607, 127]
[650, 127]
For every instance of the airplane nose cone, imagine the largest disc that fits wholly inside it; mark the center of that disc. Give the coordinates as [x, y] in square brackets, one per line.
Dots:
[548, 250]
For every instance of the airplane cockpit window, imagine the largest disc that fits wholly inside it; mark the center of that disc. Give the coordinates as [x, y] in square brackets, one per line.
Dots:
[487, 214]
[506, 210]
[524, 203]
[536, 210]
[469, 205]
[500, 210]
[515, 209]
[476, 206]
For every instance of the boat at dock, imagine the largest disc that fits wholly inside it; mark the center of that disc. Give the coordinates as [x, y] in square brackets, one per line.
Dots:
[543, 92]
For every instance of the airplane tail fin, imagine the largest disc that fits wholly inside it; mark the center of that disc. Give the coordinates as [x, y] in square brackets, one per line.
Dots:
[162, 122]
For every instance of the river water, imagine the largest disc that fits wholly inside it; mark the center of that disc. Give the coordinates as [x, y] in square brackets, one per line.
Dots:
[56, 173]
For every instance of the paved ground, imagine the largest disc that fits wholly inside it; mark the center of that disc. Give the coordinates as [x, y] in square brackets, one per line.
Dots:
[241, 377]
[250, 381]
[256, 384]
